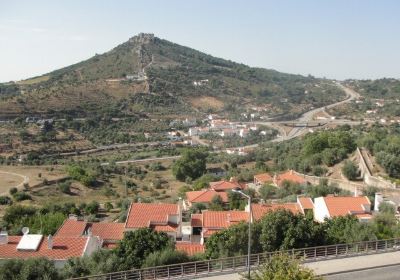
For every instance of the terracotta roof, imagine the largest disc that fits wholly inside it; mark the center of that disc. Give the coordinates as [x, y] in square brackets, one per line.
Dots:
[209, 232]
[364, 216]
[189, 248]
[63, 248]
[224, 185]
[165, 228]
[263, 178]
[196, 220]
[205, 196]
[259, 210]
[289, 176]
[342, 205]
[106, 231]
[109, 245]
[142, 214]
[305, 202]
[223, 219]
[71, 228]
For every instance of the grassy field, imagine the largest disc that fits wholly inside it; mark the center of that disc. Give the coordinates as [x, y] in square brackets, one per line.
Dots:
[9, 180]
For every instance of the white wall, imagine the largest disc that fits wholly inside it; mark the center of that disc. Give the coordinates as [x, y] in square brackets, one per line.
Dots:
[92, 245]
[320, 210]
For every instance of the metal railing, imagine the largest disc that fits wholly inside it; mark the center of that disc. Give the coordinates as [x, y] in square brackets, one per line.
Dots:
[237, 264]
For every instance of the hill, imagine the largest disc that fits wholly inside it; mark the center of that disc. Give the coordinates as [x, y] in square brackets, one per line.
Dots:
[157, 77]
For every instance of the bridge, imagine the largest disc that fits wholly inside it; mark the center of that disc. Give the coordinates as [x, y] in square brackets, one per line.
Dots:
[325, 260]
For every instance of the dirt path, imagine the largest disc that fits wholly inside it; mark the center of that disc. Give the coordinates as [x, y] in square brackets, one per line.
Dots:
[5, 189]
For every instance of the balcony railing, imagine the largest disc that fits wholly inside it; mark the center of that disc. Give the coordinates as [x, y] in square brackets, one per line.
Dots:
[239, 263]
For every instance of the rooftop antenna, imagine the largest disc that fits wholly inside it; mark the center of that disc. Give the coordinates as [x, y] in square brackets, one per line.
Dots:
[25, 230]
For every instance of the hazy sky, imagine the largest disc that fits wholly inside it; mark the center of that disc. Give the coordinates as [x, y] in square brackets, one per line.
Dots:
[336, 39]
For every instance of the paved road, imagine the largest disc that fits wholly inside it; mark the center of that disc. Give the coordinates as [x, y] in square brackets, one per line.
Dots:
[307, 116]
[384, 273]
[340, 266]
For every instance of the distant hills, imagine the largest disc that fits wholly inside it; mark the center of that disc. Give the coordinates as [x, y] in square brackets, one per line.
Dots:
[149, 75]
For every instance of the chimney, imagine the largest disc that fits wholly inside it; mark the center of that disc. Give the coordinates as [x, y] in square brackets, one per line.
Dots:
[378, 201]
[3, 237]
[50, 242]
[229, 218]
[73, 217]
[355, 191]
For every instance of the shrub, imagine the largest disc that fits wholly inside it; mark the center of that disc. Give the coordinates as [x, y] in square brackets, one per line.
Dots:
[350, 170]
[5, 200]
[65, 187]
[165, 257]
[13, 191]
[20, 196]
[108, 206]
[92, 207]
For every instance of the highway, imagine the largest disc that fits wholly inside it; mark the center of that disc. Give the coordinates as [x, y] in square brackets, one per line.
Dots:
[308, 116]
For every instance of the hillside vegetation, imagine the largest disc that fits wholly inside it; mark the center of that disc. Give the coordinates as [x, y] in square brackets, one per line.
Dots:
[151, 75]
[381, 88]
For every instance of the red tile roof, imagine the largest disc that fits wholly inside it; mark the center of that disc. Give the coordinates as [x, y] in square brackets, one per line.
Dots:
[263, 178]
[223, 219]
[106, 231]
[110, 245]
[342, 206]
[189, 248]
[306, 203]
[289, 176]
[259, 210]
[209, 232]
[196, 220]
[205, 196]
[224, 185]
[63, 248]
[71, 228]
[143, 214]
[165, 228]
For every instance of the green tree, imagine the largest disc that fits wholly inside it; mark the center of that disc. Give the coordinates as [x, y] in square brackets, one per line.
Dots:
[216, 203]
[267, 191]
[347, 229]
[233, 241]
[46, 223]
[385, 225]
[35, 268]
[282, 229]
[92, 207]
[191, 165]
[283, 267]
[165, 257]
[350, 170]
[385, 207]
[137, 245]
[235, 201]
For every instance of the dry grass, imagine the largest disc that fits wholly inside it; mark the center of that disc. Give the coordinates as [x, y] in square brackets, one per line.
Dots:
[33, 80]
[32, 172]
[204, 102]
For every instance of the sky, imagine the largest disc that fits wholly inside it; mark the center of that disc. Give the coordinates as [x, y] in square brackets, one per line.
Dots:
[337, 39]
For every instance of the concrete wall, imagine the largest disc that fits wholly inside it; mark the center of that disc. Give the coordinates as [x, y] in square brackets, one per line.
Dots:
[343, 184]
[368, 178]
[92, 245]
